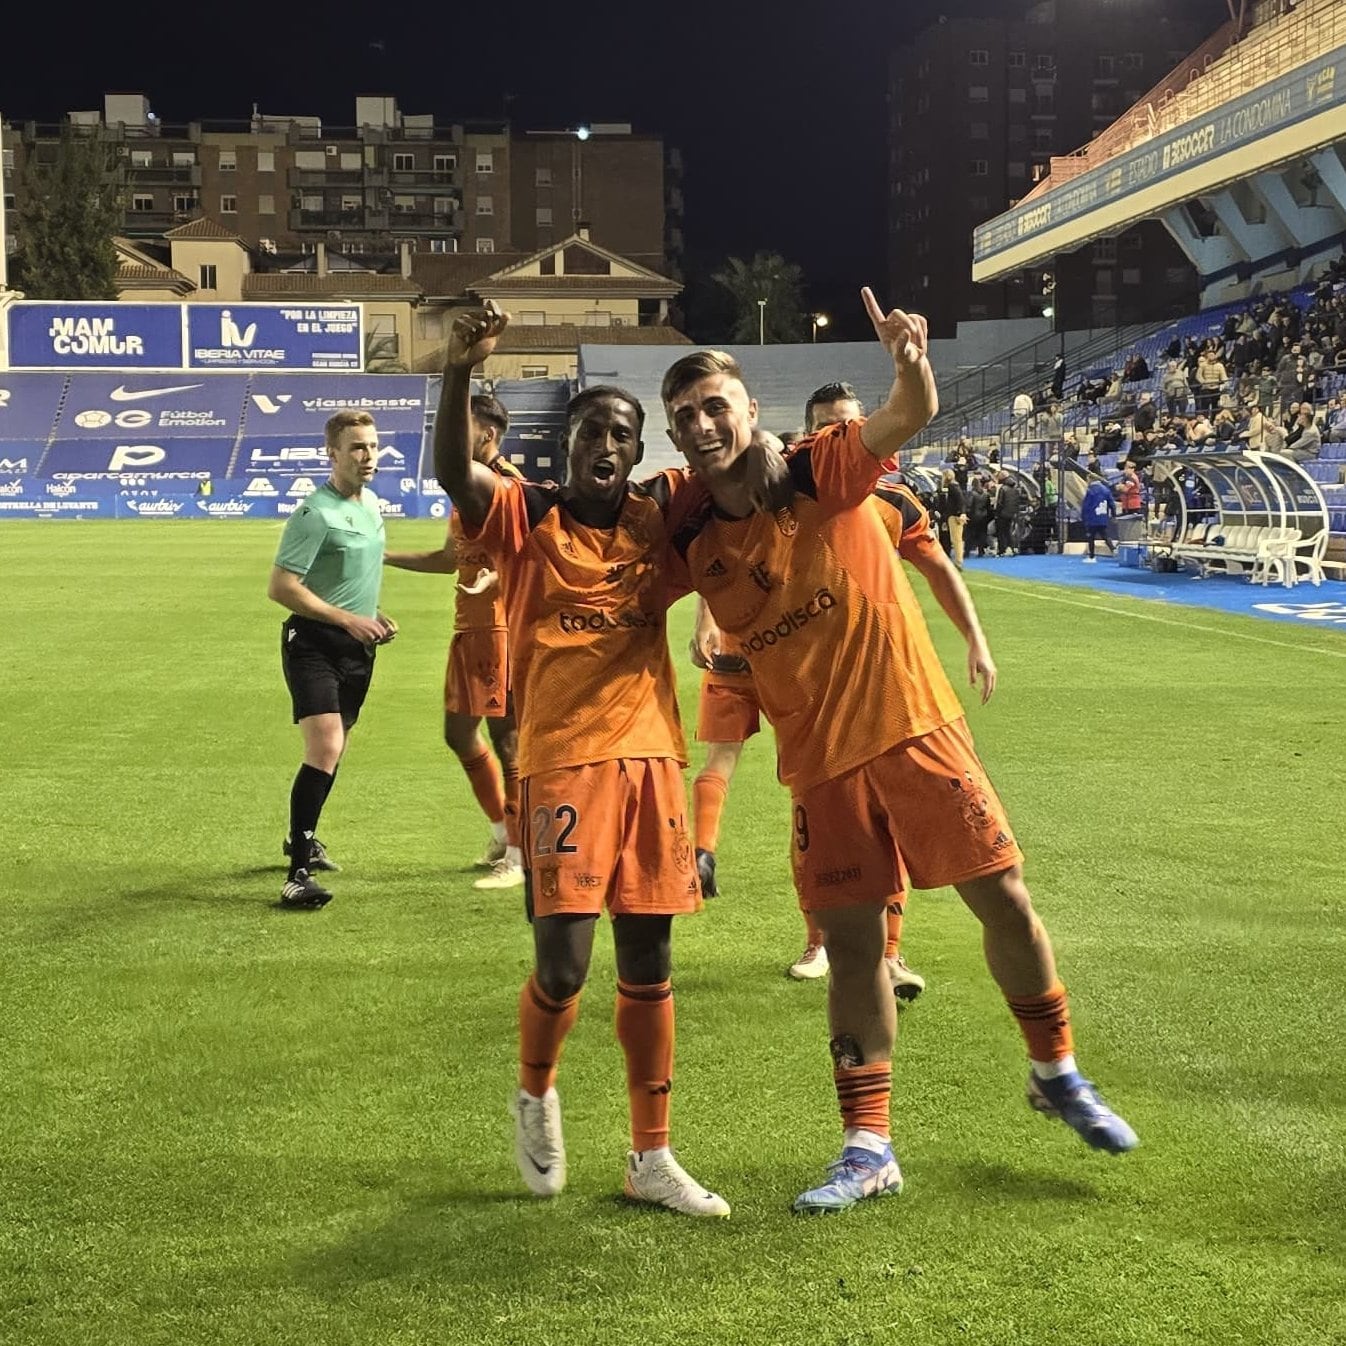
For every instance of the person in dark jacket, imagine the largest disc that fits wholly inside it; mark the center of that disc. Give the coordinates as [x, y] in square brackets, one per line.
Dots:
[1096, 513]
[951, 504]
[1009, 499]
[978, 516]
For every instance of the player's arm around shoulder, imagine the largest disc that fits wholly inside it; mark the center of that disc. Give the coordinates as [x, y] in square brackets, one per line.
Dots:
[442, 561]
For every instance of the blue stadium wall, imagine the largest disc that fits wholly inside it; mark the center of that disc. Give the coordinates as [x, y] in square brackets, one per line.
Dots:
[137, 445]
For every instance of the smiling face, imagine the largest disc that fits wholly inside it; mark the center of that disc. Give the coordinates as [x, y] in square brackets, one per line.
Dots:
[603, 445]
[711, 422]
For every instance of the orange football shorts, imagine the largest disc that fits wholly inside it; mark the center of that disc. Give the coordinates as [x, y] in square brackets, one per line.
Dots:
[609, 834]
[476, 681]
[729, 711]
[922, 815]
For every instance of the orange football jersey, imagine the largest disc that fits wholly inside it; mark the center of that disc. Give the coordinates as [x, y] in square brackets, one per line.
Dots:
[585, 608]
[813, 598]
[478, 612]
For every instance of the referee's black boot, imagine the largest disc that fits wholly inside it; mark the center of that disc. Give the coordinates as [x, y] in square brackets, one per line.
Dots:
[304, 892]
[318, 859]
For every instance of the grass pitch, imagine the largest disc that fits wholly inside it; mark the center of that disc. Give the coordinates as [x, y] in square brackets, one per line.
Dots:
[221, 1122]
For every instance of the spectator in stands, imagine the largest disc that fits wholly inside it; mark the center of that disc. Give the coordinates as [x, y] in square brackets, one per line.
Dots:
[951, 507]
[1210, 379]
[1072, 445]
[1021, 409]
[1254, 433]
[1092, 464]
[1224, 426]
[1200, 431]
[1175, 388]
[993, 455]
[978, 516]
[1135, 369]
[1096, 512]
[1110, 438]
[964, 460]
[1147, 414]
[1308, 442]
[789, 438]
[1009, 501]
[1288, 386]
[1267, 389]
[1129, 494]
[1335, 432]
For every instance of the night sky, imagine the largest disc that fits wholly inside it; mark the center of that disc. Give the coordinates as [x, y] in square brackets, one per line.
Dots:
[779, 109]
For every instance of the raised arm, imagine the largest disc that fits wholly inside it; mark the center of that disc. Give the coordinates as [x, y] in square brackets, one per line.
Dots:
[913, 401]
[470, 485]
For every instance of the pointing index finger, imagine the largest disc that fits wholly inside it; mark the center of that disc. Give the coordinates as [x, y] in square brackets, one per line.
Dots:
[876, 314]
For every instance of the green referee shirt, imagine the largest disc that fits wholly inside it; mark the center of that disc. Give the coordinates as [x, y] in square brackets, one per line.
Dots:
[335, 545]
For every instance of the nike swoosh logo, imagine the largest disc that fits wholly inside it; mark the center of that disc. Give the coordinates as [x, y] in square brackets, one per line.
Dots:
[536, 1165]
[122, 394]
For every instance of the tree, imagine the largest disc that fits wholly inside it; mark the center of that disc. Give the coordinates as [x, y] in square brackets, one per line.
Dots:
[771, 278]
[67, 214]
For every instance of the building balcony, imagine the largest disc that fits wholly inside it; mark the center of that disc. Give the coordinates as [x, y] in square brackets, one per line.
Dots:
[357, 220]
[162, 175]
[138, 223]
[425, 221]
[434, 181]
[325, 177]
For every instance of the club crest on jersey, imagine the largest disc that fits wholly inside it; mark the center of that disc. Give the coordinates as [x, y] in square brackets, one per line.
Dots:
[973, 801]
[786, 522]
[486, 673]
[549, 881]
[636, 529]
[760, 576]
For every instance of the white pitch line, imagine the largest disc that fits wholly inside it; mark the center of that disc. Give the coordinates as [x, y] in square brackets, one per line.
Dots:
[1166, 621]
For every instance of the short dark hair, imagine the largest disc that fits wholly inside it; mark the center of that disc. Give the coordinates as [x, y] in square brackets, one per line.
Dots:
[598, 393]
[695, 367]
[830, 392]
[486, 408]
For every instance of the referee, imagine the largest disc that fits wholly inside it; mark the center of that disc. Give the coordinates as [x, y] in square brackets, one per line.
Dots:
[327, 573]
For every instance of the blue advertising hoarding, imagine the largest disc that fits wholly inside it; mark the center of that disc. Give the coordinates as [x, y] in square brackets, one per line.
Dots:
[180, 407]
[226, 337]
[28, 407]
[94, 335]
[274, 336]
[161, 458]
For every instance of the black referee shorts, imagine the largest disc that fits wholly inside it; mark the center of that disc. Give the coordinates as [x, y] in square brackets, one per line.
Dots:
[326, 670]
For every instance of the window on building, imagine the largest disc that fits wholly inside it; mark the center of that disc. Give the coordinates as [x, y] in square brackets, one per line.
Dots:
[1044, 63]
[1175, 275]
[184, 158]
[1016, 168]
[311, 202]
[1132, 242]
[1133, 60]
[979, 130]
[1018, 134]
[228, 205]
[542, 177]
[1105, 250]
[534, 372]
[1131, 275]
[353, 248]
[547, 265]
[1044, 103]
[1016, 60]
[1099, 102]
[979, 56]
[209, 277]
[598, 318]
[184, 202]
[443, 205]
[139, 159]
[352, 201]
[446, 163]
[352, 161]
[7, 160]
[485, 161]
[978, 168]
[1103, 282]
[978, 93]
[310, 161]
[1018, 95]
[922, 103]
[228, 161]
[485, 205]
[486, 245]
[443, 245]
[1043, 137]
[543, 217]
[266, 204]
[404, 205]
[266, 161]
[404, 163]
[1104, 67]
[308, 249]
[979, 205]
